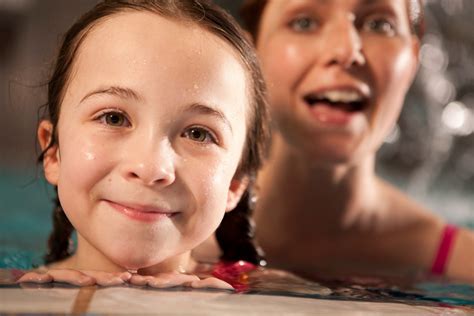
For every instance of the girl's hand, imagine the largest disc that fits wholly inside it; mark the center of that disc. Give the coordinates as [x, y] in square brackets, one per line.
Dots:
[165, 280]
[76, 277]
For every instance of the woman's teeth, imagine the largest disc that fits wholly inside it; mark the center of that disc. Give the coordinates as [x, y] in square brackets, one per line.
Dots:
[350, 101]
[341, 96]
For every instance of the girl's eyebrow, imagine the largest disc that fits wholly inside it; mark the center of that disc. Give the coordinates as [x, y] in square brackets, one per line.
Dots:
[121, 92]
[127, 93]
[209, 110]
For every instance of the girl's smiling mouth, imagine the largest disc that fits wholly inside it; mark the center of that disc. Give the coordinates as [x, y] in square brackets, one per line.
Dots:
[144, 213]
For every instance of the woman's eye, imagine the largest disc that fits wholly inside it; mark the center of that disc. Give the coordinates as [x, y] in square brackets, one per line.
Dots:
[379, 25]
[115, 119]
[303, 24]
[199, 134]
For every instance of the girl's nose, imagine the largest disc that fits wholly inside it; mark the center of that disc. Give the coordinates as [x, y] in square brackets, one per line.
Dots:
[151, 164]
[342, 43]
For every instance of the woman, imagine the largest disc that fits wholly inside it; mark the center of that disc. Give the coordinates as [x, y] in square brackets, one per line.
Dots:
[337, 73]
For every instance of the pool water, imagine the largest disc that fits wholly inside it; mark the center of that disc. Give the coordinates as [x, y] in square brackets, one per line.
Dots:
[26, 204]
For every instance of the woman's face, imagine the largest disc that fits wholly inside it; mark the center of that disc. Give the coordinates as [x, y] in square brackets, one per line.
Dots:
[151, 132]
[337, 72]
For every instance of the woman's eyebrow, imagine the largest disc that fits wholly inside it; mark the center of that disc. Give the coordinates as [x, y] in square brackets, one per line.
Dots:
[209, 110]
[121, 92]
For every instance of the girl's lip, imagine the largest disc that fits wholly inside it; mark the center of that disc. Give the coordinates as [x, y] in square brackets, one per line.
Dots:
[142, 213]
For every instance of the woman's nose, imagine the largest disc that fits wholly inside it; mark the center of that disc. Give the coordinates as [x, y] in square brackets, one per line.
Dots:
[150, 163]
[342, 43]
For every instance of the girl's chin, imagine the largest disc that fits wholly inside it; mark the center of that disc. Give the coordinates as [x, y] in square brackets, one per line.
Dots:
[139, 263]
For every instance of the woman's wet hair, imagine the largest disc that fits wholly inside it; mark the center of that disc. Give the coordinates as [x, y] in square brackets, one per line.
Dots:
[251, 12]
[214, 20]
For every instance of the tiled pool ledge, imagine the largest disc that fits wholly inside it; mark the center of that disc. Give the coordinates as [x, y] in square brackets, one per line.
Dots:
[135, 301]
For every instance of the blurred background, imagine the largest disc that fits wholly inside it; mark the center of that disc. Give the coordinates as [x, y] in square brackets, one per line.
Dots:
[429, 154]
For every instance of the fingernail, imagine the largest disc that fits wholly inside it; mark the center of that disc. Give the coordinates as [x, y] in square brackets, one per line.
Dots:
[118, 280]
[86, 280]
[125, 276]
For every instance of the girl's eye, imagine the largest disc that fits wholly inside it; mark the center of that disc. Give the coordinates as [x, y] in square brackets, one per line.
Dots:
[115, 119]
[303, 24]
[379, 25]
[200, 135]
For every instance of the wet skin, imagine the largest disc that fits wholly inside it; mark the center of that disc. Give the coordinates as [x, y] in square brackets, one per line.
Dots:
[338, 72]
[309, 47]
[150, 135]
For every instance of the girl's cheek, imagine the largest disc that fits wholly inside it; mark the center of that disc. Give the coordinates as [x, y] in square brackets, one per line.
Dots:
[83, 161]
[215, 176]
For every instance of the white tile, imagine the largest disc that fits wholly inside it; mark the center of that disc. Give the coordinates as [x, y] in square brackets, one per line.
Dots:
[128, 300]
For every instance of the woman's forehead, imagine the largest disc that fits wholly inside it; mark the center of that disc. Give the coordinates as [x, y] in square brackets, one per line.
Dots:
[334, 3]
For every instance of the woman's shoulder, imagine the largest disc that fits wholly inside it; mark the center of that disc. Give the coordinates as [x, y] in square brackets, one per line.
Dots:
[403, 211]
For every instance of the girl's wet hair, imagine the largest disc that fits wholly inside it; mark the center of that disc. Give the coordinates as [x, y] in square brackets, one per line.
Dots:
[252, 11]
[214, 20]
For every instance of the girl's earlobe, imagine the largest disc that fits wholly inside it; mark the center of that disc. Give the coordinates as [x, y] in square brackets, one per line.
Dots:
[51, 154]
[236, 190]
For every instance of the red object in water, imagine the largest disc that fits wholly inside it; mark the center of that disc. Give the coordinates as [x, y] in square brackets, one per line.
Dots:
[234, 273]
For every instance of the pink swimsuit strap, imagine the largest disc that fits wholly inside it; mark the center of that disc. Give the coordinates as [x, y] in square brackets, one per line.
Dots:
[445, 245]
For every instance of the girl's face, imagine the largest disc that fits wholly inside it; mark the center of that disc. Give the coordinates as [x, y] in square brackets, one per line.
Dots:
[337, 71]
[151, 131]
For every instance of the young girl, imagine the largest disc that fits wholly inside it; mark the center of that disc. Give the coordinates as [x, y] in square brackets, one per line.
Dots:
[156, 123]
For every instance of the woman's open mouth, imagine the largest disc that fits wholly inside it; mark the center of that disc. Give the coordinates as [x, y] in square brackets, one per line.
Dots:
[336, 106]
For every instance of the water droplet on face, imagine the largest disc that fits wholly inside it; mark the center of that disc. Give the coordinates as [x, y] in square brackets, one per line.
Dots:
[90, 156]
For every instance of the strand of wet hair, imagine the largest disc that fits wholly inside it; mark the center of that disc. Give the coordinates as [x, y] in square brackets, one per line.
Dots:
[59, 241]
[235, 235]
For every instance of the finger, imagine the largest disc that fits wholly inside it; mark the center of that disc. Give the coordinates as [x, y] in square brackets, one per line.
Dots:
[211, 283]
[125, 276]
[35, 277]
[165, 280]
[72, 277]
[108, 279]
[105, 281]
[140, 280]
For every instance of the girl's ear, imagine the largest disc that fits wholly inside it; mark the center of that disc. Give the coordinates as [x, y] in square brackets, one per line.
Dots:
[236, 190]
[51, 156]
